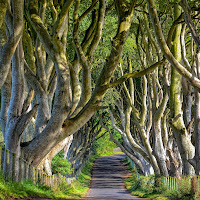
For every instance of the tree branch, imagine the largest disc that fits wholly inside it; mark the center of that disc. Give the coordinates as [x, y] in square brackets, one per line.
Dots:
[86, 74]
[24, 119]
[16, 29]
[165, 49]
[39, 27]
[190, 23]
[135, 74]
[3, 7]
[98, 32]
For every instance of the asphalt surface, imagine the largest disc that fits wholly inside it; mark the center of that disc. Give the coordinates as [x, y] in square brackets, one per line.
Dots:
[107, 180]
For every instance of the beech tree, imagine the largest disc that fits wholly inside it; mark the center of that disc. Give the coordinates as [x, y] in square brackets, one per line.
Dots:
[63, 103]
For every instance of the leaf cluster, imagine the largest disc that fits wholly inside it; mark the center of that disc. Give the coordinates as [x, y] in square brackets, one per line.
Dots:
[60, 165]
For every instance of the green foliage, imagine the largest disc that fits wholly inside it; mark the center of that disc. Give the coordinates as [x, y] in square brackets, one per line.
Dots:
[60, 165]
[183, 192]
[1, 139]
[80, 186]
[110, 97]
[145, 186]
[10, 190]
[103, 146]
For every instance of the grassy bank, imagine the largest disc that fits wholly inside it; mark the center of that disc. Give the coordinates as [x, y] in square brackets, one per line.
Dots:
[10, 190]
[79, 188]
[145, 187]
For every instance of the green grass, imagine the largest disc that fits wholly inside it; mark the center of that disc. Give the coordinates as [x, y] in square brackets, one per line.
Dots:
[79, 187]
[10, 189]
[145, 187]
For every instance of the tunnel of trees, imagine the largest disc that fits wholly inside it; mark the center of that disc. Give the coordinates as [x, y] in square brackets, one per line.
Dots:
[70, 69]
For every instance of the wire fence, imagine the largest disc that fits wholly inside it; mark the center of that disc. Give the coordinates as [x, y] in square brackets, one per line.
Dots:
[18, 170]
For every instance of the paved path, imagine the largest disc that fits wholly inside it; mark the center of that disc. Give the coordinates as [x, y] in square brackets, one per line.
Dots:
[107, 180]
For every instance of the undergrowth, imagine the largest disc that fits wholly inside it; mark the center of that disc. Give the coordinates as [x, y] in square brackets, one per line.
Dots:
[10, 190]
[79, 187]
[146, 187]
[59, 165]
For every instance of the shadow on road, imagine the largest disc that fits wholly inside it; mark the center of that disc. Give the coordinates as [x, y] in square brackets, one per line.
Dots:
[107, 180]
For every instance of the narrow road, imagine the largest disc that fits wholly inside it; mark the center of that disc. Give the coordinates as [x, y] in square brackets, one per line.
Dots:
[107, 180]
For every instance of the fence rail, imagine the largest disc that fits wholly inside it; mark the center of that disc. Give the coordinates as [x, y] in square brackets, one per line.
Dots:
[170, 182]
[134, 167]
[17, 169]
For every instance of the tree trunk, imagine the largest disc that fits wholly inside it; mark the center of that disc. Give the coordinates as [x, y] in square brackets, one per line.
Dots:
[59, 126]
[159, 151]
[183, 139]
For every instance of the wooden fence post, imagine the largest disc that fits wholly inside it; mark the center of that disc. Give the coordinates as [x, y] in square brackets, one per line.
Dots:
[0, 157]
[36, 175]
[52, 181]
[20, 177]
[45, 179]
[14, 177]
[194, 185]
[6, 164]
[33, 175]
[40, 177]
[49, 181]
[30, 175]
[26, 170]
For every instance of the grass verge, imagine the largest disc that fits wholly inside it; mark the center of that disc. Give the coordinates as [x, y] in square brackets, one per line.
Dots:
[10, 190]
[145, 187]
[79, 187]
